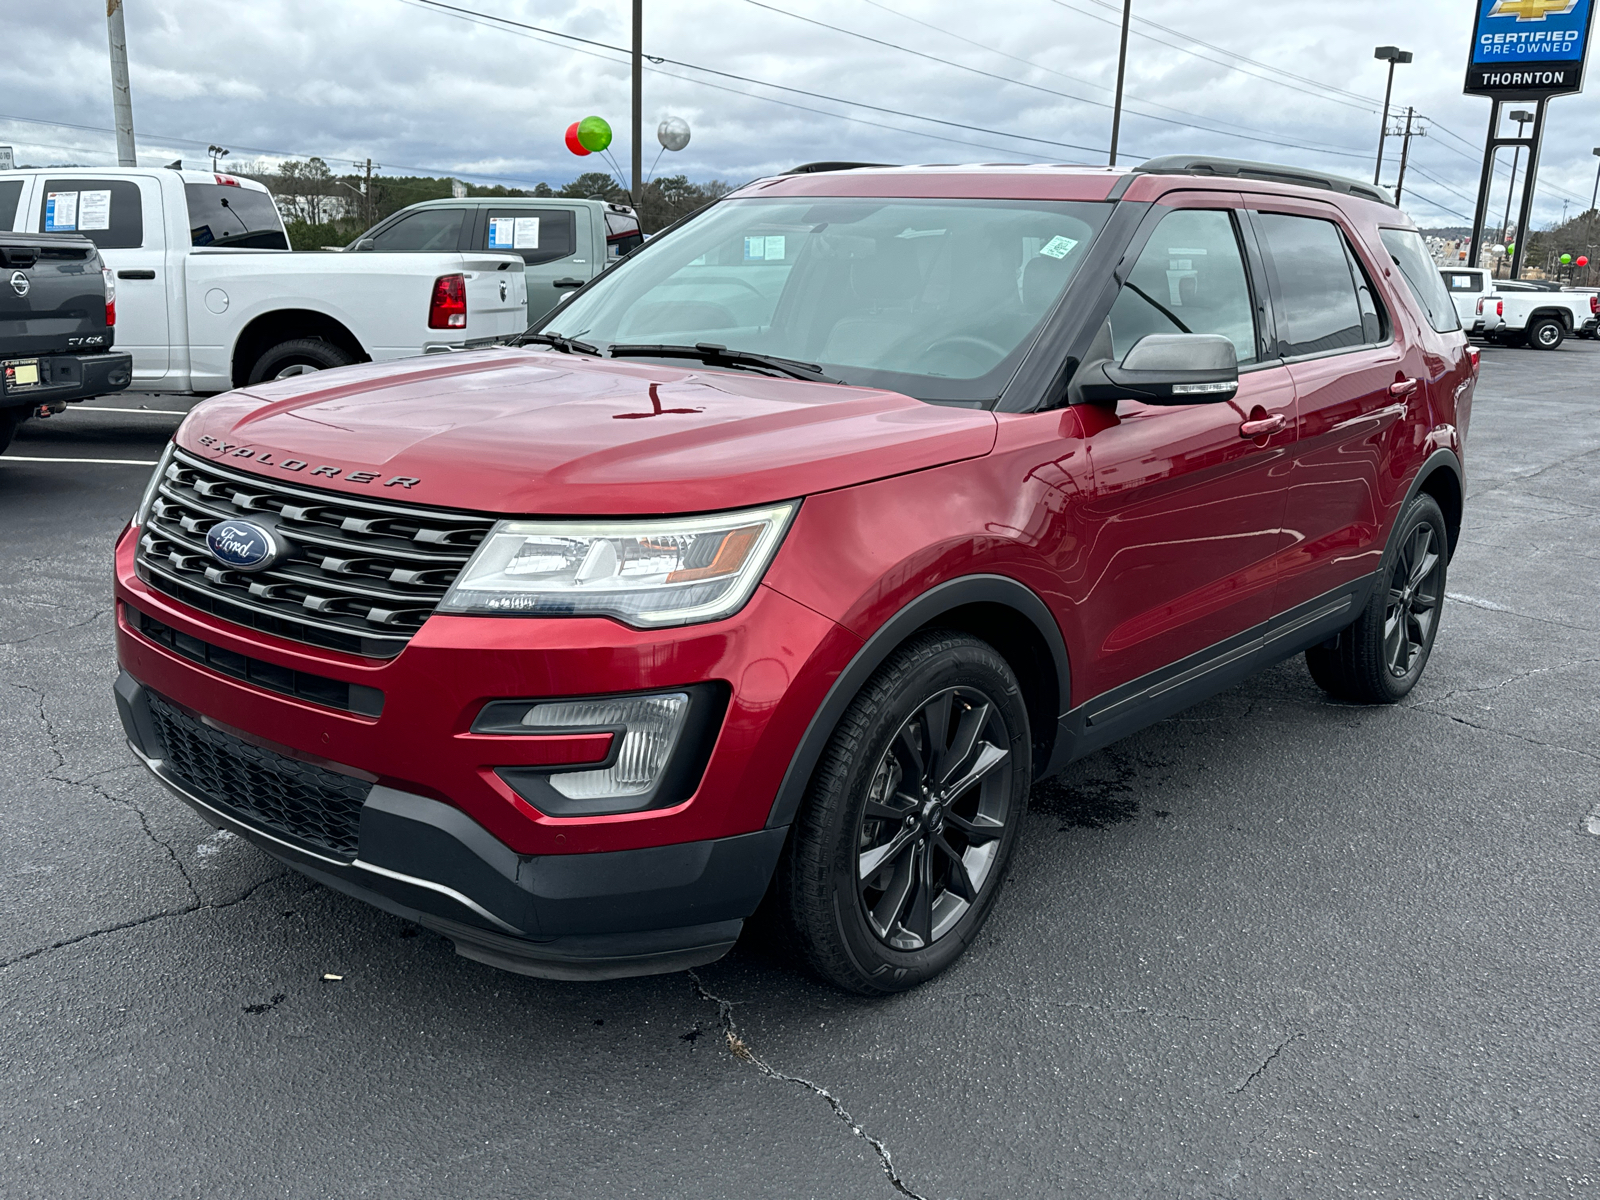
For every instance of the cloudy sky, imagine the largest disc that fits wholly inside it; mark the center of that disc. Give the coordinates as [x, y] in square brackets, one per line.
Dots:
[421, 89]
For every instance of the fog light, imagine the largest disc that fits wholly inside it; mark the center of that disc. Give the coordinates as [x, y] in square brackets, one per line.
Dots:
[648, 727]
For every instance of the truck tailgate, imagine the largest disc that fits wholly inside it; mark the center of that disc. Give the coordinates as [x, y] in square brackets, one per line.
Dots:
[52, 298]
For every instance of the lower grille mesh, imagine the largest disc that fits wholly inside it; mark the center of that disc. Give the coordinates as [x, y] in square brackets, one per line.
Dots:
[318, 807]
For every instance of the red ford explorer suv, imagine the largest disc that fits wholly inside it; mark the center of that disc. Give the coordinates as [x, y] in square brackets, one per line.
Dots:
[791, 552]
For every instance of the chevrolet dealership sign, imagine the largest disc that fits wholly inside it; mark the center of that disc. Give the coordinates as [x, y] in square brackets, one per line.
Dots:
[1524, 49]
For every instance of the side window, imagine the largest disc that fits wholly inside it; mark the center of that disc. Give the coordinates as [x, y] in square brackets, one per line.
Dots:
[539, 235]
[1190, 278]
[1462, 281]
[1410, 254]
[1324, 301]
[10, 195]
[106, 211]
[428, 229]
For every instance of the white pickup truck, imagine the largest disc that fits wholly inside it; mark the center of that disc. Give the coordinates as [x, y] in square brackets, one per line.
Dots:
[1518, 313]
[210, 298]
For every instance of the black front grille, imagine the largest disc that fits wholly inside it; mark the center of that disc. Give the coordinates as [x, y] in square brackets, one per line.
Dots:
[362, 577]
[319, 689]
[311, 805]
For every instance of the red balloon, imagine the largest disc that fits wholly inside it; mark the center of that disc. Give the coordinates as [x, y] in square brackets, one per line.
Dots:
[573, 143]
[1583, 260]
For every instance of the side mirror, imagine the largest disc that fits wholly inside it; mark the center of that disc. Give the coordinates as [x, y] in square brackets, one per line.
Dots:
[365, 244]
[1167, 368]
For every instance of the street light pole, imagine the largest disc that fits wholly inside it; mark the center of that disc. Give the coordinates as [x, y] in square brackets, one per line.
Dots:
[1521, 117]
[1122, 69]
[1391, 55]
[638, 103]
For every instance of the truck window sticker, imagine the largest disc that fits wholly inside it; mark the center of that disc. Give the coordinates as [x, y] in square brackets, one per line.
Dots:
[60, 212]
[525, 235]
[94, 210]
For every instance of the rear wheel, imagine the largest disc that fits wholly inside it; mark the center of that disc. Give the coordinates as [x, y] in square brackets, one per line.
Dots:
[900, 849]
[297, 357]
[1380, 657]
[1547, 333]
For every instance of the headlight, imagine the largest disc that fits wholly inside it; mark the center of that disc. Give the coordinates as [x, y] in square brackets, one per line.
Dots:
[149, 497]
[648, 573]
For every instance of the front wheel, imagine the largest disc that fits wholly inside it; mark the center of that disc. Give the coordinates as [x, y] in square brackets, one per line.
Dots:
[1546, 333]
[901, 846]
[1380, 657]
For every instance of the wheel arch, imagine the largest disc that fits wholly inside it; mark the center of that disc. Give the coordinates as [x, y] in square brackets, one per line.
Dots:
[997, 609]
[263, 332]
[1555, 312]
[1441, 477]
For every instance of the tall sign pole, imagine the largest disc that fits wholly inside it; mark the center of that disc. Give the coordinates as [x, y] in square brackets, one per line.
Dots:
[1523, 50]
[121, 96]
[1122, 70]
[638, 103]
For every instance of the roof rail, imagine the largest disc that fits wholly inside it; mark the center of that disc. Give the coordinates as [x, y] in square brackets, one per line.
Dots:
[814, 168]
[1188, 164]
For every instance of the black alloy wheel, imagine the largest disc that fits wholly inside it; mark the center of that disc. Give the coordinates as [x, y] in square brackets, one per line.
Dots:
[1379, 658]
[899, 851]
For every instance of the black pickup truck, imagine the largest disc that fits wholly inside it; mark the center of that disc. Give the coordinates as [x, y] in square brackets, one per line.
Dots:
[58, 312]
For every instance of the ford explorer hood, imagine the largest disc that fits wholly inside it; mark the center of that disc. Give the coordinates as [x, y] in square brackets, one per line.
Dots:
[523, 431]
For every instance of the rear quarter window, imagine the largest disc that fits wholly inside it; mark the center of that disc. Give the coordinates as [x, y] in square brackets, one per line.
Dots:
[106, 211]
[1410, 254]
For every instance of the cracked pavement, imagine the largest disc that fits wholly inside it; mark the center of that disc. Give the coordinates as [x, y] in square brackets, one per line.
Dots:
[1273, 947]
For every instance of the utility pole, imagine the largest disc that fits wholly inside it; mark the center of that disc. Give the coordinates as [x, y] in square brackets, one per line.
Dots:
[1595, 197]
[121, 95]
[638, 104]
[1405, 151]
[366, 191]
[1122, 70]
[1390, 55]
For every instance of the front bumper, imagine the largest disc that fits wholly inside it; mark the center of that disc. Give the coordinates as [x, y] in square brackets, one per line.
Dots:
[562, 916]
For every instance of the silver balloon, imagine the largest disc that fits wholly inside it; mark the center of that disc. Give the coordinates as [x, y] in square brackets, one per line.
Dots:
[673, 133]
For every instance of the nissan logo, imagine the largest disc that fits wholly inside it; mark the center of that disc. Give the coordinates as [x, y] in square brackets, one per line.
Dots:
[244, 545]
[19, 283]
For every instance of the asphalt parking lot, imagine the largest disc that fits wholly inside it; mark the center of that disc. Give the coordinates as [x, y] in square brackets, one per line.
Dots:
[1273, 947]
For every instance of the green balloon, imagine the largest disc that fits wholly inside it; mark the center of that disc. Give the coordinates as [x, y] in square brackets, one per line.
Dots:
[594, 134]
[1511, 247]
[1566, 259]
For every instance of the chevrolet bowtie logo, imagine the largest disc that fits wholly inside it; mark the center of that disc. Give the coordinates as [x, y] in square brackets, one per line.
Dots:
[1532, 10]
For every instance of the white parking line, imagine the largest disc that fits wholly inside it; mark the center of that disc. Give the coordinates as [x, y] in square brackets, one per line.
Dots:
[116, 462]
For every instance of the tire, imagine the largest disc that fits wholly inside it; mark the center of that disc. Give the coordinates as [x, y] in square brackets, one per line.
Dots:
[296, 357]
[915, 911]
[1547, 333]
[1379, 658]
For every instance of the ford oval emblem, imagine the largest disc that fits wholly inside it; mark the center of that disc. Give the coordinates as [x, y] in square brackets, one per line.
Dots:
[243, 545]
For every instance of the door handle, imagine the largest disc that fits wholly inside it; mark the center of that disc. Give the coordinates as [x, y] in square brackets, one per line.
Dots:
[1404, 387]
[1263, 426]
[145, 273]
[569, 283]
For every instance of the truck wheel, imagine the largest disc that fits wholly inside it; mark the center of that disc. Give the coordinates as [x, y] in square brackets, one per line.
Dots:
[296, 357]
[1546, 333]
[1380, 658]
[900, 849]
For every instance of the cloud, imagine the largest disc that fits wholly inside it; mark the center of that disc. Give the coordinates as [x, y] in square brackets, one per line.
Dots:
[424, 90]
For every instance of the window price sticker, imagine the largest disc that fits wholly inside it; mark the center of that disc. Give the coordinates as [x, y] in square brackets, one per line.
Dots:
[1058, 247]
[60, 212]
[764, 249]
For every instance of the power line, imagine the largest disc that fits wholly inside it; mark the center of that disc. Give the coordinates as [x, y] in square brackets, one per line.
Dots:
[1032, 86]
[451, 8]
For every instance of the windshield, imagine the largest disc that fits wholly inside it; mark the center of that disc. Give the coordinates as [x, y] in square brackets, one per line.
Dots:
[937, 299]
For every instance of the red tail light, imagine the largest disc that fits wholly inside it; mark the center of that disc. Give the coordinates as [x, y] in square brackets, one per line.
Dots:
[110, 282]
[1594, 302]
[1499, 308]
[448, 308]
[1480, 306]
[1472, 352]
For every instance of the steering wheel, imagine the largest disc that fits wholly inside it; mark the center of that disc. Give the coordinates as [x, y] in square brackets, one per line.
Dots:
[964, 344]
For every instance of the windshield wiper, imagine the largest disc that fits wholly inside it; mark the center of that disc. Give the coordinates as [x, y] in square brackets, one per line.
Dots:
[556, 341]
[720, 356]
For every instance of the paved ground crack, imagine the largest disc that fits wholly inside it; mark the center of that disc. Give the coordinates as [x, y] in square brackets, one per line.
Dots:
[1433, 712]
[742, 1050]
[1491, 606]
[166, 915]
[55, 775]
[1269, 1060]
[89, 620]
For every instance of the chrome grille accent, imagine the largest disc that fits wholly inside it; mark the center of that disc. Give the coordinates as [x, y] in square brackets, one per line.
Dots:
[363, 577]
